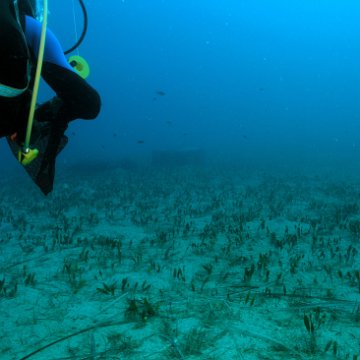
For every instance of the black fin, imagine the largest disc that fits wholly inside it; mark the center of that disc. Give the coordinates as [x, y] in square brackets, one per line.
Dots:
[40, 138]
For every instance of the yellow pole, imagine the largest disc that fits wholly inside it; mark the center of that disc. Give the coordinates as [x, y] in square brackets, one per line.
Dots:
[26, 148]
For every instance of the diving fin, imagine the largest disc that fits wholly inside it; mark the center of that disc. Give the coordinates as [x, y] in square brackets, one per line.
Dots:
[39, 140]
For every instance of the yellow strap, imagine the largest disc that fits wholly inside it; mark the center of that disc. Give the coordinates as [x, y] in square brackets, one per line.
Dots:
[37, 80]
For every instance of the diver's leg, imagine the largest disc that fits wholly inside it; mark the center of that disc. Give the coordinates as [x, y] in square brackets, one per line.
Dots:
[51, 113]
[75, 99]
[79, 99]
[46, 174]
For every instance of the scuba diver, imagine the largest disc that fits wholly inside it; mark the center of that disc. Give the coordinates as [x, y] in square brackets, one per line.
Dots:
[20, 34]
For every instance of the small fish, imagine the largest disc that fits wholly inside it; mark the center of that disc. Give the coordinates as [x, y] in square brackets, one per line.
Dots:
[161, 93]
[169, 122]
[115, 135]
[140, 141]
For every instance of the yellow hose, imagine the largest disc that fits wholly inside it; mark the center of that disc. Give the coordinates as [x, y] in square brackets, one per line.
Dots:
[34, 97]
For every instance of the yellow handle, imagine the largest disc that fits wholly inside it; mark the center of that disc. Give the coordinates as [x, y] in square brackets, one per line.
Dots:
[37, 80]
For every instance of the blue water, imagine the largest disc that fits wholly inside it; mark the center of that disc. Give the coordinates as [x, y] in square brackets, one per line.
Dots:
[248, 79]
[255, 255]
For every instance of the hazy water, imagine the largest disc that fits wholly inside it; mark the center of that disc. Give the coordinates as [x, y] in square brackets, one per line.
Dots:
[255, 79]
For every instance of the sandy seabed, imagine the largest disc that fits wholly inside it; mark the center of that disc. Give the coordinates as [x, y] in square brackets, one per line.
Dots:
[189, 263]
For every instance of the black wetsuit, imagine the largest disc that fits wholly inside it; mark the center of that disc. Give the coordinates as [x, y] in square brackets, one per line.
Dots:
[75, 98]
